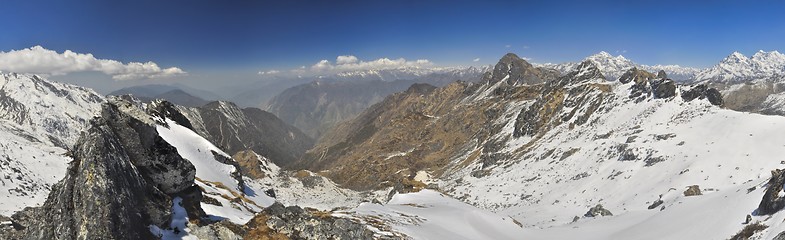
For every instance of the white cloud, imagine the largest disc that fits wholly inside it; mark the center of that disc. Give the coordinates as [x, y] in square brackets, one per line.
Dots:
[346, 59]
[39, 60]
[352, 63]
[507, 46]
[270, 72]
[476, 60]
[525, 47]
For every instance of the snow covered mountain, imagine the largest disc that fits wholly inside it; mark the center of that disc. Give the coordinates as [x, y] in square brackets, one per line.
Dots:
[737, 68]
[409, 73]
[574, 157]
[39, 121]
[614, 66]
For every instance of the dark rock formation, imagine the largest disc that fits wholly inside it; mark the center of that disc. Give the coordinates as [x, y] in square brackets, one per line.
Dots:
[702, 91]
[517, 71]
[636, 76]
[663, 88]
[662, 75]
[693, 190]
[158, 161]
[121, 181]
[772, 202]
[597, 211]
[655, 204]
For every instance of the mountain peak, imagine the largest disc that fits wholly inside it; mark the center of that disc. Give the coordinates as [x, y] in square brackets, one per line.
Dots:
[602, 54]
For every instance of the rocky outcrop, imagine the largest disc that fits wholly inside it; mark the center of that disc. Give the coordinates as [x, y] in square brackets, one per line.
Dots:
[772, 202]
[662, 75]
[663, 88]
[693, 190]
[279, 222]
[598, 211]
[702, 91]
[158, 161]
[121, 181]
[636, 76]
[516, 71]
[543, 113]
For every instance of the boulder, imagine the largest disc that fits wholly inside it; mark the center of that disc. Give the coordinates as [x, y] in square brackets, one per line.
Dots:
[772, 202]
[597, 211]
[693, 190]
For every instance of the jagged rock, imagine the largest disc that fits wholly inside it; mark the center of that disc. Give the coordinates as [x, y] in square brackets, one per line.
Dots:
[121, 181]
[518, 71]
[663, 88]
[693, 190]
[637, 76]
[772, 202]
[702, 91]
[102, 192]
[294, 222]
[662, 75]
[597, 211]
[655, 204]
[159, 162]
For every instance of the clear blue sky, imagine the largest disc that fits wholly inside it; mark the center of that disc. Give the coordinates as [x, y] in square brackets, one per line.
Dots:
[197, 34]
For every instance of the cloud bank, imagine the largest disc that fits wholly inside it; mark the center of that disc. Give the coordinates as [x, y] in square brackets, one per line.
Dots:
[39, 60]
[352, 63]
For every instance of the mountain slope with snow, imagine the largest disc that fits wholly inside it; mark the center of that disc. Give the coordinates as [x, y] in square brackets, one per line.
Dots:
[737, 68]
[39, 121]
[545, 154]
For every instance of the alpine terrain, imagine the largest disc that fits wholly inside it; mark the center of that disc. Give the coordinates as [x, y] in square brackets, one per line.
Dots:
[601, 149]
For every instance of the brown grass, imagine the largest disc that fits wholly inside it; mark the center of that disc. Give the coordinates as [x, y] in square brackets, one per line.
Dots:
[258, 229]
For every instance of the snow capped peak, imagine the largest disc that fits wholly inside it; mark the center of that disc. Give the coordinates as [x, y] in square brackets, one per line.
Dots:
[737, 67]
[735, 57]
[601, 54]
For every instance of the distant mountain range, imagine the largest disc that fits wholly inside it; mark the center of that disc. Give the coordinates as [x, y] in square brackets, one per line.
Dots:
[178, 94]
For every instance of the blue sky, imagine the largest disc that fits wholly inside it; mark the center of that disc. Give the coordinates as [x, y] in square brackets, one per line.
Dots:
[198, 35]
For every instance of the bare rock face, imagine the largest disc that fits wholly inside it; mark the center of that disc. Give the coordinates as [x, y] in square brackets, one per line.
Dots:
[120, 182]
[516, 71]
[598, 211]
[693, 190]
[772, 202]
[703, 92]
[155, 158]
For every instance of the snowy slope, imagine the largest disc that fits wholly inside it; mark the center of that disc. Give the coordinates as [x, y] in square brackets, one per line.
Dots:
[240, 202]
[599, 146]
[624, 158]
[216, 178]
[431, 215]
[39, 119]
